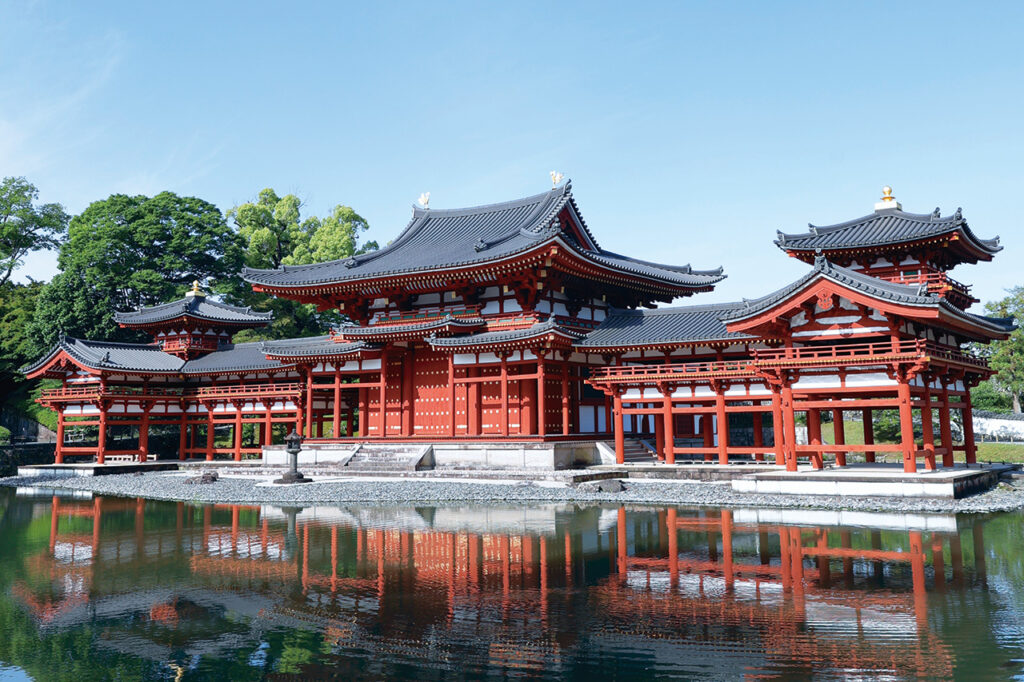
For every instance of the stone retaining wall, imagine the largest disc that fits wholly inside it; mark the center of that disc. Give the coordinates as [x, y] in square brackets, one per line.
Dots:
[13, 456]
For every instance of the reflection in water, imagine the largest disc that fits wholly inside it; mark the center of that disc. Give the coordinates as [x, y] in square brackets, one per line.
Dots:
[176, 590]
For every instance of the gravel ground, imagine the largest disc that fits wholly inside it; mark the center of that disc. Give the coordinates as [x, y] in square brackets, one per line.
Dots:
[253, 488]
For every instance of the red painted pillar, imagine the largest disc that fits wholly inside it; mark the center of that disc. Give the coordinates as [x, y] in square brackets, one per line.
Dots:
[451, 395]
[620, 438]
[789, 427]
[504, 394]
[907, 427]
[927, 428]
[839, 435]
[238, 430]
[723, 425]
[101, 448]
[814, 437]
[473, 403]
[209, 432]
[869, 434]
[382, 418]
[408, 407]
[659, 434]
[268, 423]
[670, 427]
[336, 416]
[309, 402]
[778, 428]
[59, 447]
[945, 432]
[970, 450]
[565, 398]
[144, 434]
[542, 424]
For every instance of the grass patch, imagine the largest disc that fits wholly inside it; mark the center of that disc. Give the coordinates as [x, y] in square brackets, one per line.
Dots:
[987, 452]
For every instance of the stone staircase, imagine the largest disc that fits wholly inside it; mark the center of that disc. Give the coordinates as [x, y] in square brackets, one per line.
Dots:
[370, 457]
[635, 452]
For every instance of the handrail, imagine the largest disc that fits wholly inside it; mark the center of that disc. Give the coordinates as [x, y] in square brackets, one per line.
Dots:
[912, 349]
[97, 391]
[243, 389]
[187, 343]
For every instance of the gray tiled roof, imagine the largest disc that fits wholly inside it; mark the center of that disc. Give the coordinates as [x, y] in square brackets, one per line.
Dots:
[905, 294]
[688, 324]
[312, 346]
[883, 227]
[238, 357]
[487, 338]
[194, 306]
[459, 237]
[447, 320]
[113, 356]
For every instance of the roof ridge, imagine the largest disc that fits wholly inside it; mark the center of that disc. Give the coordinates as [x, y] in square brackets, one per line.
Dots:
[564, 189]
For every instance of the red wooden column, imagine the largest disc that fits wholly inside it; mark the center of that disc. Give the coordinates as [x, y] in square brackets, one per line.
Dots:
[451, 395]
[565, 396]
[839, 435]
[309, 402]
[907, 426]
[59, 447]
[209, 431]
[408, 365]
[945, 432]
[789, 427]
[364, 422]
[268, 422]
[758, 437]
[542, 425]
[620, 438]
[350, 415]
[869, 434]
[778, 427]
[670, 426]
[970, 450]
[144, 433]
[814, 436]
[101, 446]
[659, 434]
[382, 418]
[336, 416]
[238, 405]
[504, 394]
[473, 407]
[927, 428]
[723, 424]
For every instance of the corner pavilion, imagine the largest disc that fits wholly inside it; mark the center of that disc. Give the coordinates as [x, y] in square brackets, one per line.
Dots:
[509, 323]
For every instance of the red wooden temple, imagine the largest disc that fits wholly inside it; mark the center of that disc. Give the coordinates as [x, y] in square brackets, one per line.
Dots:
[509, 323]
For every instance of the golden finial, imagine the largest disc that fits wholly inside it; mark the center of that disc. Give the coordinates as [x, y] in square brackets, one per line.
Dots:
[195, 282]
[887, 200]
[556, 178]
[195, 292]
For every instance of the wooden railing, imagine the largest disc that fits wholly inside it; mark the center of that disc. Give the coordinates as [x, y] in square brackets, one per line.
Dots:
[805, 356]
[936, 282]
[93, 391]
[187, 343]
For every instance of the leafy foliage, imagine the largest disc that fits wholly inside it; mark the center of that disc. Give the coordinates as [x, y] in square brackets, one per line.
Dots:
[985, 396]
[1007, 357]
[25, 226]
[275, 234]
[5, 435]
[17, 306]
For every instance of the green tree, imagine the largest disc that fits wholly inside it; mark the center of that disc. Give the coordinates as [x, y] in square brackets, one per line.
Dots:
[69, 306]
[133, 251]
[1007, 357]
[25, 226]
[275, 234]
[17, 308]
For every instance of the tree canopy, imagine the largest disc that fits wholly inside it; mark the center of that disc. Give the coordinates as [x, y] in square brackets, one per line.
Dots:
[1007, 357]
[275, 234]
[24, 225]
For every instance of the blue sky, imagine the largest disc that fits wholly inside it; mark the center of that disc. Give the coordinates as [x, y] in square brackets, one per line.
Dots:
[691, 131]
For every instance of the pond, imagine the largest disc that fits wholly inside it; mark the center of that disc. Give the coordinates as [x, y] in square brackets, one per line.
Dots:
[116, 588]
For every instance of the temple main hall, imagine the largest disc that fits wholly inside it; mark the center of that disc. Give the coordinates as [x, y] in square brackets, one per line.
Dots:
[509, 326]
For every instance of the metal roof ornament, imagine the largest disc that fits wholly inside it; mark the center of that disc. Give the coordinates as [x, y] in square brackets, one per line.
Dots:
[424, 200]
[556, 178]
[887, 201]
[959, 215]
[195, 291]
[480, 245]
[936, 213]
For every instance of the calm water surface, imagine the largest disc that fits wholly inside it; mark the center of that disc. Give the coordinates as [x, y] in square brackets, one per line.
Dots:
[113, 588]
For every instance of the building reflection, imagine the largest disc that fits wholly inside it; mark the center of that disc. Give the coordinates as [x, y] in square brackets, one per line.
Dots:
[528, 589]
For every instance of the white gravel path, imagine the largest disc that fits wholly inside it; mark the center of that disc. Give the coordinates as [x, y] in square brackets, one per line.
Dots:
[256, 489]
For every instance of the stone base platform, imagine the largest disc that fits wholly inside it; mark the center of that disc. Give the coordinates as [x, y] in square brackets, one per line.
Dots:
[874, 480]
[687, 472]
[94, 469]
